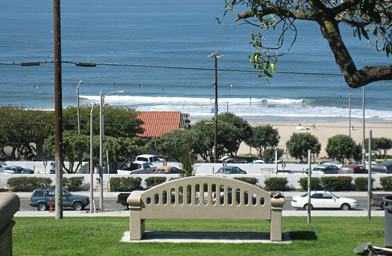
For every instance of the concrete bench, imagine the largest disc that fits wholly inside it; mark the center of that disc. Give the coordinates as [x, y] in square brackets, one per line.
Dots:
[9, 205]
[205, 197]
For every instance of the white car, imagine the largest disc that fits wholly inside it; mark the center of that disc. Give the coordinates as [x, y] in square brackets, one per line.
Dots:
[149, 159]
[324, 199]
[137, 167]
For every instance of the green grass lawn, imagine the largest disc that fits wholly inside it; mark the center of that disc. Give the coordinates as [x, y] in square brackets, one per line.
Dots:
[101, 236]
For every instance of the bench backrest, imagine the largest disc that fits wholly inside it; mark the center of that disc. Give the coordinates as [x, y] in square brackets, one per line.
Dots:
[205, 197]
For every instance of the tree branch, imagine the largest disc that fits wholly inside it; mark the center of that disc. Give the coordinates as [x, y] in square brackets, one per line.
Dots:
[346, 5]
[354, 78]
[278, 11]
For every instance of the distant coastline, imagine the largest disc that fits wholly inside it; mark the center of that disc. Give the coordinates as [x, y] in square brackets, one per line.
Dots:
[323, 131]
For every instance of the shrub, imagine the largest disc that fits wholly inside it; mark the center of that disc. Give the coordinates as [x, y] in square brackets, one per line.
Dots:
[342, 183]
[386, 183]
[315, 183]
[276, 184]
[125, 184]
[153, 181]
[28, 184]
[73, 183]
[361, 183]
[249, 180]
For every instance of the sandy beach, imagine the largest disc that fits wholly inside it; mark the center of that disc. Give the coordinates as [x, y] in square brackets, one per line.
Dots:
[323, 131]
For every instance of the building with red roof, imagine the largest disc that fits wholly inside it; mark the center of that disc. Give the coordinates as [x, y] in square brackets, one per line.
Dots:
[157, 123]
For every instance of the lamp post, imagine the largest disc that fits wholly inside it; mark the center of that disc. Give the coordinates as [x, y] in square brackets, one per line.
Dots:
[363, 126]
[77, 104]
[349, 115]
[91, 160]
[101, 132]
[215, 55]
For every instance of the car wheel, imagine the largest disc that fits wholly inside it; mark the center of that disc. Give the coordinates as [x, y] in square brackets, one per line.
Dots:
[77, 206]
[306, 207]
[41, 207]
[345, 207]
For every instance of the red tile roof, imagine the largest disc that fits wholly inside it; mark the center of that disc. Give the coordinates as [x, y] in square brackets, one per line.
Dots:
[157, 123]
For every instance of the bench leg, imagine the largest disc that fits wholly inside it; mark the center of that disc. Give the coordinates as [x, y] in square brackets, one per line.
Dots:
[276, 226]
[276, 219]
[136, 225]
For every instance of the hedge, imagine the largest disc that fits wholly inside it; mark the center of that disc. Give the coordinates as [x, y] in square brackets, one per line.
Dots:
[153, 181]
[342, 183]
[28, 184]
[386, 183]
[124, 184]
[361, 184]
[276, 184]
[315, 183]
[73, 183]
[252, 181]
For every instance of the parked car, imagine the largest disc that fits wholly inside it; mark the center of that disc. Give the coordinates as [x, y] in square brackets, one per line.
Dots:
[352, 169]
[166, 169]
[324, 199]
[383, 167]
[13, 169]
[230, 170]
[336, 163]
[373, 163]
[325, 169]
[235, 160]
[258, 161]
[41, 198]
[149, 159]
[137, 167]
[201, 161]
[378, 200]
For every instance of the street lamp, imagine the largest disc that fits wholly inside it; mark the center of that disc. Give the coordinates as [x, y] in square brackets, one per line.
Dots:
[77, 104]
[101, 132]
[363, 126]
[216, 56]
[349, 115]
[91, 160]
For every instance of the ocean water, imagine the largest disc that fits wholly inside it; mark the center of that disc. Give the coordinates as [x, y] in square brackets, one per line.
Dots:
[176, 33]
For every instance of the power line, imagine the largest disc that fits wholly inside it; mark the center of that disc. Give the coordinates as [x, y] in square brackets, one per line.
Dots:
[94, 64]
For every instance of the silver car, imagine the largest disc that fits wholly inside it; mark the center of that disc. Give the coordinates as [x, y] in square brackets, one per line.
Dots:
[13, 169]
[230, 170]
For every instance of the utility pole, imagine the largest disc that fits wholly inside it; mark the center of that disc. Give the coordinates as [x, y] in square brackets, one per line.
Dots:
[101, 132]
[363, 127]
[349, 115]
[77, 104]
[215, 55]
[91, 160]
[58, 110]
[370, 178]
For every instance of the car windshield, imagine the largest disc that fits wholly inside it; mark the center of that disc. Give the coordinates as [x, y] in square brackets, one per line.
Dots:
[318, 169]
[334, 195]
[134, 166]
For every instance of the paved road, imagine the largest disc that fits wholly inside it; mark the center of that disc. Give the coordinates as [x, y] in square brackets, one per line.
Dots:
[111, 205]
